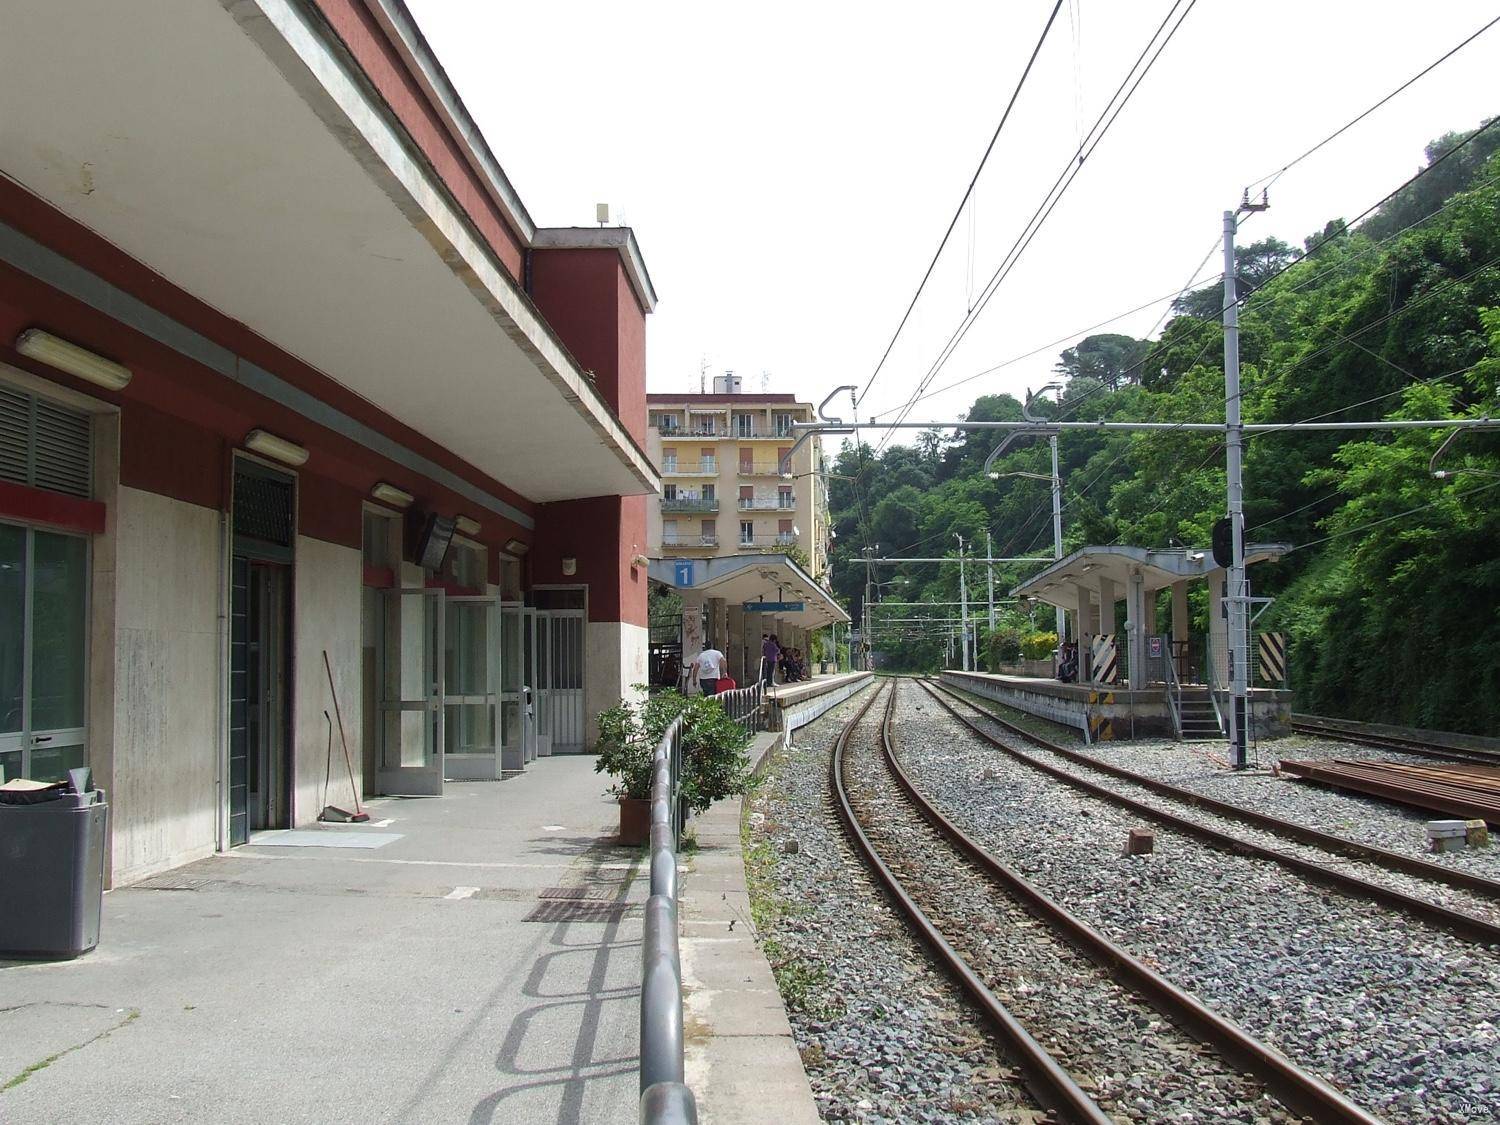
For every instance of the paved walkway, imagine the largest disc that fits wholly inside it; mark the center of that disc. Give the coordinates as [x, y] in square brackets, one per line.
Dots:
[395, 984]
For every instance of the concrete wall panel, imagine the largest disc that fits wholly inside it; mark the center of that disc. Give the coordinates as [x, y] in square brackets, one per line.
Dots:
[327, 615]
[616, 660]
[165, 762]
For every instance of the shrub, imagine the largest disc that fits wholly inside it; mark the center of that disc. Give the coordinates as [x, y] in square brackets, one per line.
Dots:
[713, 745]
[1004, 647]
[1038, 646]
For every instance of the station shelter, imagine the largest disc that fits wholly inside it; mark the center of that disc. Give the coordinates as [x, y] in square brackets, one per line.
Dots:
[308, 432]
[731, 603]
[1092, 583]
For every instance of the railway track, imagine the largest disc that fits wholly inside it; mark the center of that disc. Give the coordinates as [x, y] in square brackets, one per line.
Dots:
[945, 884]
[1346, 730]
[1459, 922]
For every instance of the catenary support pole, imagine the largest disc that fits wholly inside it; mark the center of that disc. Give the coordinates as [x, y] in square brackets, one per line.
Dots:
[1057, 539]
[989, 551]
[1236, 601]
[963, 598]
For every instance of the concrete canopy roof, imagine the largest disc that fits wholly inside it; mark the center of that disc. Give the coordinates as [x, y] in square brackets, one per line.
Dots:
[750, 578]
[1157, 568]
[236, 149]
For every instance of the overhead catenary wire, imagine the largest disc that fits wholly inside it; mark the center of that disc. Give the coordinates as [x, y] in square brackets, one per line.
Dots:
[1398, 515]
[1116, 104]
[1265, 182]
[968, 192]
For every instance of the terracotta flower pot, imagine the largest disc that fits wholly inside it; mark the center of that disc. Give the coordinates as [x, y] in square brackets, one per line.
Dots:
[635, 821]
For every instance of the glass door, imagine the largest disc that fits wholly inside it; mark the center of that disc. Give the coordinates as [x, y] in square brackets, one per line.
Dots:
[43, 650]
[411, 705]
[529, 684]
[471, 687]
[512, 698]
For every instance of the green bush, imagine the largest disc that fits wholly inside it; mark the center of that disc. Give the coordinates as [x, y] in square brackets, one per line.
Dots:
[1004, 647]
[1038, 646]
[713, 745]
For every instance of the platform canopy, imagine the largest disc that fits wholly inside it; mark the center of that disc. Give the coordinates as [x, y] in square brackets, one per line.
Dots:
[1157, 568]
[774, 581]
[239, 151]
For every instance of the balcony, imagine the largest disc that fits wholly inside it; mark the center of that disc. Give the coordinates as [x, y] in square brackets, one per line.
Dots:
[778, 542]
[704, 468]
[688, 542]
[689, 504]
[761, 469]
[692, 432]
[776, 503]
[761, 434]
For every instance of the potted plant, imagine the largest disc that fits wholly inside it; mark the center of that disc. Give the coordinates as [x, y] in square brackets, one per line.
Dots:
[628, 736]
[713, 749]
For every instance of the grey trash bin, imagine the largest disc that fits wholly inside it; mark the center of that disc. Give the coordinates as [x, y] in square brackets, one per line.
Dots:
[51, 871]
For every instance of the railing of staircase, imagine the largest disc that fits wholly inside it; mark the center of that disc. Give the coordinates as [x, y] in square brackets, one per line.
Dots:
[665, 1098]
[1174, 694]
[1211, 678]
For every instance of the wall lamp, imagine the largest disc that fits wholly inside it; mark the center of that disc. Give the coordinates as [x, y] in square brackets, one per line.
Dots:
[516, 547]
[54, 352]
[390, 494]
[269, 445]
[467, 526]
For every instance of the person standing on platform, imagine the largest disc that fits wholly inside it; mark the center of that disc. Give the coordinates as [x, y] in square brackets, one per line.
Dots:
[707, 669]
[770, 652]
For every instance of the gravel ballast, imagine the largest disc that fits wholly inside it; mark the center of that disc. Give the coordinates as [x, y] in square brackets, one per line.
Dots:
[1400, 1016]
[884, 1036]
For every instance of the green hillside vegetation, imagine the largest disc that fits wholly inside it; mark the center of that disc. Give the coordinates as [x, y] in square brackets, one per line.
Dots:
[1391, 594]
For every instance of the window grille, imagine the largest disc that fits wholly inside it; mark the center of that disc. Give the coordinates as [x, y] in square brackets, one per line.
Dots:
[45, 445]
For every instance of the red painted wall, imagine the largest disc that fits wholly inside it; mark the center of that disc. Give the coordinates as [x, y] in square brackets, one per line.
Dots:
[587, 298]
[181, 422]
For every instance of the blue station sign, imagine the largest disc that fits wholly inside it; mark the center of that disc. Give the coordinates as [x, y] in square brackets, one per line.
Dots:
[682, 572]
[774, 607]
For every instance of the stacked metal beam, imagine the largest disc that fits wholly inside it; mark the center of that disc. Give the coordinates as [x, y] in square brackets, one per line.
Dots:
[1468, 791]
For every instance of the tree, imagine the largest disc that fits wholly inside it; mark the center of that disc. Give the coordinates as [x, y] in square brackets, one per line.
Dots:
[1110, 358]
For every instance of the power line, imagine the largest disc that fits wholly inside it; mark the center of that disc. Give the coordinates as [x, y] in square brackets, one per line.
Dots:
[1004, 117]
[1397, 516]
[1268, 181]
[1107, 117]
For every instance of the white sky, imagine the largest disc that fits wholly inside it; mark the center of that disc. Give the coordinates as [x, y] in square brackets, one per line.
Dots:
[789, 168]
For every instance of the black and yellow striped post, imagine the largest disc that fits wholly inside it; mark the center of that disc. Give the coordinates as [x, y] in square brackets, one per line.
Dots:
[1272, 654]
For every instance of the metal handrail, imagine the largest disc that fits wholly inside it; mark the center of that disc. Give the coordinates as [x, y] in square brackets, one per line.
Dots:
[665, 1098]
[767, 504]
[1211, 678]
[690, 541]
[762, 469]
[688, 504]
[743, 705]
[1174, 693]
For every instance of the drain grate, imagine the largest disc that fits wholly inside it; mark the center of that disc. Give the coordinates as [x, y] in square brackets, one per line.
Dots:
[573, 910]
[575, 894]
[175, 883]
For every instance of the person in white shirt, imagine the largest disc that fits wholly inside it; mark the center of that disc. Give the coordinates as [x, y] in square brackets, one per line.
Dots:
[707, 669]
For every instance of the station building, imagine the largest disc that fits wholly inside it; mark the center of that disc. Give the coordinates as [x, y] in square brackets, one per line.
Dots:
[308, 432]
[741, 528]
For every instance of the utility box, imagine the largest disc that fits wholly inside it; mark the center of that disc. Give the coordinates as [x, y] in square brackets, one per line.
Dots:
[51, 869]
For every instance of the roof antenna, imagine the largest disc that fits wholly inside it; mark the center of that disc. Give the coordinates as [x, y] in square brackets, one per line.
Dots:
[703, 375]
[601, 213]
[765, 381]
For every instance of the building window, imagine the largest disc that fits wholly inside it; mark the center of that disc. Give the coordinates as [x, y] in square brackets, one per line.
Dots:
[510, 579]
[465, 566]
[44, 445]
[669, 460]
[707, 463]
[784, 497]
[784, 424]
[709, 493]
[669, 492]
[747, 459]
[747, 533]
[669, 533]
[744, 425]
[708, 532]
[666, 423]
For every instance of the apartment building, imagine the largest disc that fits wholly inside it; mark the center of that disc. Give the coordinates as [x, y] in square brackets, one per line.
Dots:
[743, 541]
[724, 493]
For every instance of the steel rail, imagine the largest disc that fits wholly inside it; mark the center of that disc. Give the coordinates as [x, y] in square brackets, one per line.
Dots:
[1466, 926]
[1348, 730]
[1044, 1077]
[1302, 833]
[1297, 1088]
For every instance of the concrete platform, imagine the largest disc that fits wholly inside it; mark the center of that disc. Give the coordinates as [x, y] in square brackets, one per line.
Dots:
[1103, 712]
[315, 984]
[741, 1062]
[795, 705]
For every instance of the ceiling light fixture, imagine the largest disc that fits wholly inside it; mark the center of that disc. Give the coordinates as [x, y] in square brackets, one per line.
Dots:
[269, 445]
[516, 547]
[469, 527]
[390, 494]
[54, 352]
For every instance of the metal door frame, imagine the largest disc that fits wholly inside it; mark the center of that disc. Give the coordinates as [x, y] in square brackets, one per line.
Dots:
[424, 780]
[25, 739]
[512, 758]
[467, 766]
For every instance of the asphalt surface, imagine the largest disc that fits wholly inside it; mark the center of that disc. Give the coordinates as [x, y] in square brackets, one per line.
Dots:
[396, 984]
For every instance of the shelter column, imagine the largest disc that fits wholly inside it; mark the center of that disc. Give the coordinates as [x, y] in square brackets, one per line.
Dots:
[1108, 593]
[1218, 628]
[738, 647]
[1135, 628]
[692, 631]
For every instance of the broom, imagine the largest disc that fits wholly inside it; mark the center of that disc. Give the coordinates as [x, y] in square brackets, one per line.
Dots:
[333, 812]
